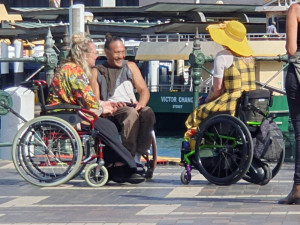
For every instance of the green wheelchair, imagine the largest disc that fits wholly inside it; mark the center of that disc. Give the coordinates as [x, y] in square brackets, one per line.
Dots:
[222, 149]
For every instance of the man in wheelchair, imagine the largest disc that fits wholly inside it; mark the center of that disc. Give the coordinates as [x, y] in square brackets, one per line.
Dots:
[115, 80]
[70, 85]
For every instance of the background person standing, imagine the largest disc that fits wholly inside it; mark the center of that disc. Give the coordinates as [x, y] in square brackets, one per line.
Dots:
[292, 87]
[271, 29]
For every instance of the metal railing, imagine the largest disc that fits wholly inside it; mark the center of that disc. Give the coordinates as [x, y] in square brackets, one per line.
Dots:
[279, 2]
[206, 37]
[170, 88]
[49, 60]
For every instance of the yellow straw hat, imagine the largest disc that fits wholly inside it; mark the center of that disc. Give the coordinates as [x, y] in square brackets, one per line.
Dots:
[232, 35]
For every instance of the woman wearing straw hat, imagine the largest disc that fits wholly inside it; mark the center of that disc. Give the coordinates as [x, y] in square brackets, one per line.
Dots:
[292, 87]
[233, 73]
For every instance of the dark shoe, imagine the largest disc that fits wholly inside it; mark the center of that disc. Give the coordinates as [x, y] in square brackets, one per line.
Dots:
[118, 180]
[135, 179]
[140, 169]
[293, 197]
[118, 174]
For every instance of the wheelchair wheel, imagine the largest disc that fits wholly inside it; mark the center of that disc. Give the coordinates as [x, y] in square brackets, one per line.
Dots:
[262, 171]
[151, 158]
[258, 173]
[47, 151]
[224, 149]
[96, 177]
[185, 177]
[276, 165]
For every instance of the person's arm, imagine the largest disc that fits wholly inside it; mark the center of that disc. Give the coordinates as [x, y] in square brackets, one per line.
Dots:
[94, 83]
[275, 32]
[85, 96]
[216, 90]
[140, 85]
[292, 29]
[223, 60]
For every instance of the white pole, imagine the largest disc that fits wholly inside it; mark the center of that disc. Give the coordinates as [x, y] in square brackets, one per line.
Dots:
[4, 54]
[76, 18]
[108, 3]
[153, 75]
[18, 66]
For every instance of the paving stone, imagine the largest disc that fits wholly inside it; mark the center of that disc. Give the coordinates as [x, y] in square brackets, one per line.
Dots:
[162, 201]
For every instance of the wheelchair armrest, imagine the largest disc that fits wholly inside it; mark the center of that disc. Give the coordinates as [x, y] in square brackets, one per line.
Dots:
[88, 115]
[62, 106]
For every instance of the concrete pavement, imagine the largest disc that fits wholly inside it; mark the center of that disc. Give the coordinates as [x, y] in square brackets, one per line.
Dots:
[162, 201]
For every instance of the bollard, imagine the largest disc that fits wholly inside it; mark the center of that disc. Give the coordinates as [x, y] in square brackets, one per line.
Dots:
[19, 75]
[4, 65]
[23, 104]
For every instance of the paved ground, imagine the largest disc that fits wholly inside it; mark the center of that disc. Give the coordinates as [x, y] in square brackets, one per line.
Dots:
[162, 201]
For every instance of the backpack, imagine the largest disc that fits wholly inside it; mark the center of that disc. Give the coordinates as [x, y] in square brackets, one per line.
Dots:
[269, 141]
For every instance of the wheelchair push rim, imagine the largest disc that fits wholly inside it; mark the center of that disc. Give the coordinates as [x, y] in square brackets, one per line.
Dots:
[47, 151]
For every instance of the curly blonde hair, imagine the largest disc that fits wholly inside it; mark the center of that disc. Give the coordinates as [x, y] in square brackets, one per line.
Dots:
[81, 44]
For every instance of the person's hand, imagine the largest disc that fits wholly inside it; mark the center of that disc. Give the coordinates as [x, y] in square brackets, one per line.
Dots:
[121, 104]
[202, 100]
[109, 107]
[138, 106]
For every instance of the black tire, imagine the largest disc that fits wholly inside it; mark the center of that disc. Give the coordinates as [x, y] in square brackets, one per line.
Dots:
[271, 171]
[258, 173]
[151, 158]
[184, 177]
[224, 149]
[47, 151]
[276, 165]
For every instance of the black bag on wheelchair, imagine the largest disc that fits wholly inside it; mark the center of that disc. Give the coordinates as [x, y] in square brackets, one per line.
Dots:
[269, 141]
[254, 105]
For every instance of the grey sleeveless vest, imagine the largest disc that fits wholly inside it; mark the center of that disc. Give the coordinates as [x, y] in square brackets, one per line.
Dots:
[103, 73]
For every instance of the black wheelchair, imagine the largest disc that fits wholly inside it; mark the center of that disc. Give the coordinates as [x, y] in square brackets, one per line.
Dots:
[222, 147]
[51, 149]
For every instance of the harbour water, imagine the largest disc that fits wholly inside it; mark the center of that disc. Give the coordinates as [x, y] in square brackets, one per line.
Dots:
[169, 146]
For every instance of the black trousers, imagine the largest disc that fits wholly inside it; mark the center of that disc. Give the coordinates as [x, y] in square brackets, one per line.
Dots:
[110, 137]
[292, 87]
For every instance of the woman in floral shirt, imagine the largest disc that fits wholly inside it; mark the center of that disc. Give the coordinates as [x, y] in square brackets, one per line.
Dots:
[70, 85]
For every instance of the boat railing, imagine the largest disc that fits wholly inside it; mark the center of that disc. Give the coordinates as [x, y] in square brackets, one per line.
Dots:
[177, 88]
[281, 2]
[206, 37]
[170, 88]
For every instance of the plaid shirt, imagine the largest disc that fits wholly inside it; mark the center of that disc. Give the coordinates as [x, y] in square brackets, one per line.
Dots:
[70, 85]
[237, 78]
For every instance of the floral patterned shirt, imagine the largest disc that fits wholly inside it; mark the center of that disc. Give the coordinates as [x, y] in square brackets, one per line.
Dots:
[70, 85]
